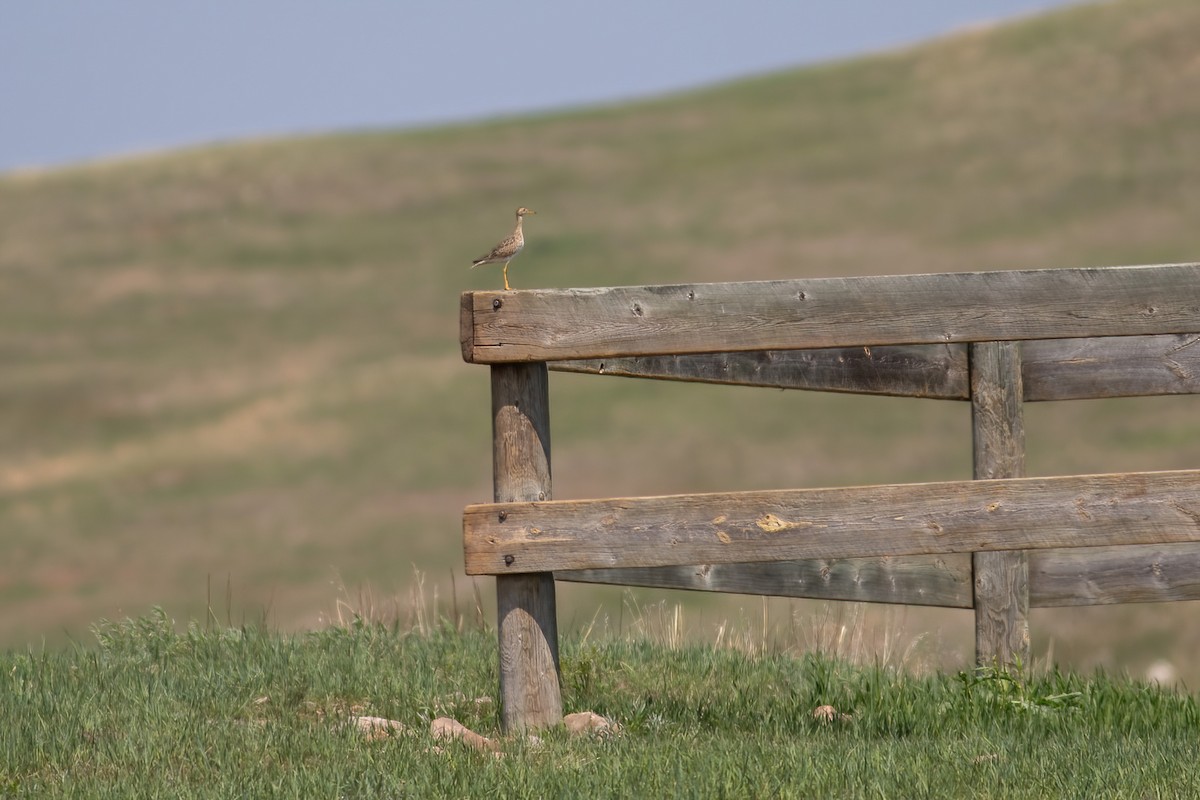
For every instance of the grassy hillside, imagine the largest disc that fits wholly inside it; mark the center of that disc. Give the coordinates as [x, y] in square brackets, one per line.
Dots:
[233, 372]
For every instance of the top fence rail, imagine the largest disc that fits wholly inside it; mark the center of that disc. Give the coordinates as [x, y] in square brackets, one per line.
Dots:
[565, 324]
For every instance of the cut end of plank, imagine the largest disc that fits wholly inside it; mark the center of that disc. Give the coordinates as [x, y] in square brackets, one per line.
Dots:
[466, 325]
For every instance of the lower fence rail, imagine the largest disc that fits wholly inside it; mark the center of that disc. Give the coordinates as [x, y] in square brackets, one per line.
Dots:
[1135, 508]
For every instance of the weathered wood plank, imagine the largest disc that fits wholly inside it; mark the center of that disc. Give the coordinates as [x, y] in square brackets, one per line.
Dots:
[558, 324]
[851, 522]
[1123, 366]
[527, 623]
[1084, 576]
[998, 445]
[466, 325]
[1052, 369]
[934, 371]
[1074, 576]
[943, 580]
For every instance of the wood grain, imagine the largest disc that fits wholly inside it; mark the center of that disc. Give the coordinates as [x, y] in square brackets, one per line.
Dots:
[558, 324]
[942, 580]
[851, 522]
[1075, 576]
[527, 624]
[1121, 366]
[466, 325]
[934, 371]
[1052, 369]
[1085, 576]
[1001, 578]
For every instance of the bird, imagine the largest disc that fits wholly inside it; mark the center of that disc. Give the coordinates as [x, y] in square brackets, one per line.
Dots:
[508, 249]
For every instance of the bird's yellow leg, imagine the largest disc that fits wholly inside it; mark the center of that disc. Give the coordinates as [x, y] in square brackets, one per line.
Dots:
[506, 276]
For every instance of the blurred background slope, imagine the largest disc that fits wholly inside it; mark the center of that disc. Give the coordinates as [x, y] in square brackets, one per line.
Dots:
[231, 374]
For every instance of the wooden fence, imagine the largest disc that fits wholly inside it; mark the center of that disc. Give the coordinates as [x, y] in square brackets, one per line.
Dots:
[999, 544]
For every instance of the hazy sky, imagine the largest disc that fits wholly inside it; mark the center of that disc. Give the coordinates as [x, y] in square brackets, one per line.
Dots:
[94, 78]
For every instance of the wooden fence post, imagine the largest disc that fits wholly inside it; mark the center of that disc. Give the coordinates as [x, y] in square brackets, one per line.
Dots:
[530, 691]
[1001, 578]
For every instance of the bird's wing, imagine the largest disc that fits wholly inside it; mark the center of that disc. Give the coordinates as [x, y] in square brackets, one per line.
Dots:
[505, 250]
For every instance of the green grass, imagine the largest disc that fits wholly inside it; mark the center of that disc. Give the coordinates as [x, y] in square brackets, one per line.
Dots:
[240, 364]
[149, 711]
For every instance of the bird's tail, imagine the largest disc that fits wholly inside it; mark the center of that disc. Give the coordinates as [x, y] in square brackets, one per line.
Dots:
[478, 263]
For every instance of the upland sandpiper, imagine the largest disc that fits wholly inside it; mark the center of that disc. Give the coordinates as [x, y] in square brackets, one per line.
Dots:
[508, 249]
